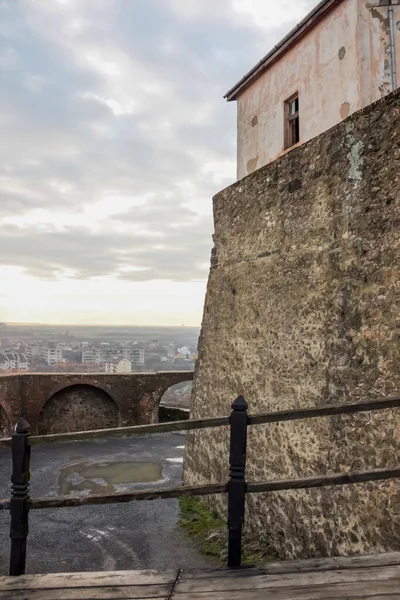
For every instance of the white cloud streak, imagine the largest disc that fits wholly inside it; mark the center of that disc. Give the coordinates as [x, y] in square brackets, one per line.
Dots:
[117, 139]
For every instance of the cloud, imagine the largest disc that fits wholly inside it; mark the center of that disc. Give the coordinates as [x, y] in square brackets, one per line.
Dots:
[117, 133]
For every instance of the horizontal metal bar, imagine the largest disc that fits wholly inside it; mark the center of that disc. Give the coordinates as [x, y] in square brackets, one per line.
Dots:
[187, 425]
[324, 411]
[323, 480]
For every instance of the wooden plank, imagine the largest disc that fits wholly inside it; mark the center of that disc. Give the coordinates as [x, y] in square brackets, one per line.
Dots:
[212, 488]
[90, 593]
[88, 579]
[300, 566]
[73, 436]
[186, 425]
[288, 580]
[138, 495]
[383, 590]
[325, 411]
[323, 480]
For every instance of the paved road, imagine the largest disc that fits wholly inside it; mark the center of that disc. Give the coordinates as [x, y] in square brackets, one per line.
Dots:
[139, 535]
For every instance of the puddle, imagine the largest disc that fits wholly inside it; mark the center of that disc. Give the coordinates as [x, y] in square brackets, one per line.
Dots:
[89, 477]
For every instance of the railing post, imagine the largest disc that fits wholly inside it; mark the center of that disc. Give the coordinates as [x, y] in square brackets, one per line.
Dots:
[237, 480]
[21, 452]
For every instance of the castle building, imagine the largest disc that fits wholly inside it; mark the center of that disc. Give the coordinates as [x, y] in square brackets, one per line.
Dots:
[340, 58]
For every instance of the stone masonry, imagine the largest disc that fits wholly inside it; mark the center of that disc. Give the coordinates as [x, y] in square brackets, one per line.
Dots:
[303, 309]
[69, 402]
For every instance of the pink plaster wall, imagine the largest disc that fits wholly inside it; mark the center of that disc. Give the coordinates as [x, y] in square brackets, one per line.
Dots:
[338, 67]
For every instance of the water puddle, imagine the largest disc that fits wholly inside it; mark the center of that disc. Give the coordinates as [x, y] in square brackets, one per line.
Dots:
[89, 477]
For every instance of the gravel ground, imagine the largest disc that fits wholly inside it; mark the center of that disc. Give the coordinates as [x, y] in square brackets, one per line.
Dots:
[138, 535]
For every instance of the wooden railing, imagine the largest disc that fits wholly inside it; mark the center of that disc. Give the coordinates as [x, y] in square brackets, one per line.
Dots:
[236, 487]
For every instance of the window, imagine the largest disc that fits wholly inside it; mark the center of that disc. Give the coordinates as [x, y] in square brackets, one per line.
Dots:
[292, 123]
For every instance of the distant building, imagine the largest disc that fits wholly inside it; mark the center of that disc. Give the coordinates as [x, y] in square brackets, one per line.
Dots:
[119, 366]
[135, 355]
[340, 58]
[4, 362]
[185, 352]
[32, 351]
[13, 361]
[88, 354]
[107, 353]
[51, 354]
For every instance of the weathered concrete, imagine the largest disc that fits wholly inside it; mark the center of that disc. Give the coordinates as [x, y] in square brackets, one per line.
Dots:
[302, 309]
[70, 402]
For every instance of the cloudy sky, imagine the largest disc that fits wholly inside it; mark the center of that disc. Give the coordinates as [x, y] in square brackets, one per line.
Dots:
[114, 138]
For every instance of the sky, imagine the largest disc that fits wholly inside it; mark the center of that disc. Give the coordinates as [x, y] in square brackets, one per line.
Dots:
[114, 138]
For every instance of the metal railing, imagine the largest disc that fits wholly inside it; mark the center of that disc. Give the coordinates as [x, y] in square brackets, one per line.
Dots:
[236, 487]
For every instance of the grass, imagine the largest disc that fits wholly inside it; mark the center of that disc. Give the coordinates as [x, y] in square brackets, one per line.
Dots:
[211, 535]
[206, 529]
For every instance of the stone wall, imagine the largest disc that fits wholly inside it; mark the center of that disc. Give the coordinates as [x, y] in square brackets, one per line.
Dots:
[303, 309]
[85, 406]
[77, 401]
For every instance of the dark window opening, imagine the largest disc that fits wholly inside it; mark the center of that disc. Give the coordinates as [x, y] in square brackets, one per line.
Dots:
[292, 121]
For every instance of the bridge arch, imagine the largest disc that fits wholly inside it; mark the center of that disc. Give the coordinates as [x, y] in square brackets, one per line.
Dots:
[79, 406]
[149, 404]
[174, 404]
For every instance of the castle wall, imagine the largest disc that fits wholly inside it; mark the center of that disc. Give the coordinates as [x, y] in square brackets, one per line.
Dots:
[303, 309]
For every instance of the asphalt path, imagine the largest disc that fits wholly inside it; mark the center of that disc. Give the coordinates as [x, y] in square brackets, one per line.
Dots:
[137, 535]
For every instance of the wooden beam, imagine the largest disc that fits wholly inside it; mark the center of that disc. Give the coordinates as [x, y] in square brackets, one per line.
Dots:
[74, 436]
[270, 417]
[323, 480]
[325, 411]
[212, 488]
[119, 497]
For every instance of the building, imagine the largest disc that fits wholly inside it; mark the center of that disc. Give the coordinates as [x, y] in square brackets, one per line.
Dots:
[135, 355]
[89, 354]
[185, 352]
[32, 351]
[340, 58]
[4, 362]
[13, 361]
[119, 366]
[107, 353]
[51, 354]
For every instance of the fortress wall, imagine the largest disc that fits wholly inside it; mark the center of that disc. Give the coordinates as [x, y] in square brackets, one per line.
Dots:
[303, 309]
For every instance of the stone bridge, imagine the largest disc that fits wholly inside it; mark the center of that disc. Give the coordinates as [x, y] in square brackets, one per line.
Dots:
[55, 402]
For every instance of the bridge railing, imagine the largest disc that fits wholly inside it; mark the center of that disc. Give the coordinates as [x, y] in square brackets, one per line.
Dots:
[236, 487]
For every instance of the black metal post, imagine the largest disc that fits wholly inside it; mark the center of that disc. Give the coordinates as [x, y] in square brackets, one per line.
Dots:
[237, 480]
[21, 452]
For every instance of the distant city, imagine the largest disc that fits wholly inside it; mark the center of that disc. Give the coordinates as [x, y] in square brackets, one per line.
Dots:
[96, 349]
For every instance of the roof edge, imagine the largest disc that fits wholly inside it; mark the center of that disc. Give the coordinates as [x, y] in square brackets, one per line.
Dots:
[284, 44]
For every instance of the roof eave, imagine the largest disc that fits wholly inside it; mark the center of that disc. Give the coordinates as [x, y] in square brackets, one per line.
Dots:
[292, 37]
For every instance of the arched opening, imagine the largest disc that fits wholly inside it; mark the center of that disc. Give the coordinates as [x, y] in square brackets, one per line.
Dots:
[4, 423]
[175, 402]
[78, 408]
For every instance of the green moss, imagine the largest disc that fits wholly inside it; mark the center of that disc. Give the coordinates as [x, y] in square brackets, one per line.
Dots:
[210, 533]
[206, 529]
